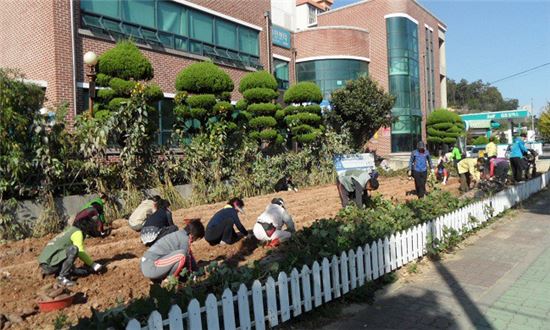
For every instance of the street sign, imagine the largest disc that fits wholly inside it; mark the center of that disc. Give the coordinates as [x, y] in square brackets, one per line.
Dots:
[512, 114]
[280, 37]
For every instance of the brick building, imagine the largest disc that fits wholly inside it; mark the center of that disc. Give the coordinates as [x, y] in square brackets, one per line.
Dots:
[398, 43]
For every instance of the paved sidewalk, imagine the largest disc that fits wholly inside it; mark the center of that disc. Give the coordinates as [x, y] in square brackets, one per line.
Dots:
[499, 279]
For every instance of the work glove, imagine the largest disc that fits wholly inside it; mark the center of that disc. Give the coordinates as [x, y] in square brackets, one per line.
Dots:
[409, 173]
[98, 268]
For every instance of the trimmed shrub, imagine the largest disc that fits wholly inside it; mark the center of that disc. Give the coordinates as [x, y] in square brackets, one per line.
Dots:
[225, 96]
[262, 121]
[259, 90]
[180, 98]
[102, 80]
[125, 61]
[122, 87]
[261, 109]
[102, 114]
[223, 108]
[303, 92]
[206, 101]
[303, 117]
[105, 95]
[241, 105]
[115, 103]
[444, 126]
[480, 140]
[203, 78]
[260, 95]
[153, 93]
[303, 121]
[258, 79]
[198, 112]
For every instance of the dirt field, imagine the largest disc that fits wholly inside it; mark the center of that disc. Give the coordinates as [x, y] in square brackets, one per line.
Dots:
[19, 273]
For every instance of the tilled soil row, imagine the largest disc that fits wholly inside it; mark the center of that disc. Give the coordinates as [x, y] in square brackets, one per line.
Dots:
[20, 280]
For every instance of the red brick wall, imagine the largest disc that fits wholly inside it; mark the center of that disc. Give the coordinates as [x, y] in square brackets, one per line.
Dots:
[370, 15]
[326, 41]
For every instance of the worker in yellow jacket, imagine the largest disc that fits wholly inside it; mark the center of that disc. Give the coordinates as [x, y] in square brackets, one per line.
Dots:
[491, 148]
[468, 171]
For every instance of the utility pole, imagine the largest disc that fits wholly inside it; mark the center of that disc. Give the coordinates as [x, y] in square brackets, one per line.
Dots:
[532, 117]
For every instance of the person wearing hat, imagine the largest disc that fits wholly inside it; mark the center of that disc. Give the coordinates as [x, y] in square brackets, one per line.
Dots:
[158, 224]
[354, 185]
[418, 168]
[269, 226]
[220, 228]
[99, 204]
[517, 150]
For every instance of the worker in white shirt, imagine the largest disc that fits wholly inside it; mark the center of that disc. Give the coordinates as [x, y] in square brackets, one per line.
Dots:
[269, 226]
[144, 210]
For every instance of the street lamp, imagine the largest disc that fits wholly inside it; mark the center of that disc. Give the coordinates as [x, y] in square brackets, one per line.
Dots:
[90, 58]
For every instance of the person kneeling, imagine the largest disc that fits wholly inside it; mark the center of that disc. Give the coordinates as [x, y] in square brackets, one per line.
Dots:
[142, 212]
[172, 253]
[268, 227]
[220, 228]
[158, 224]
[59, 255]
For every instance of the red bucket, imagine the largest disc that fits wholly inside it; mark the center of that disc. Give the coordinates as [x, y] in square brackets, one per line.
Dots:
[53, 305]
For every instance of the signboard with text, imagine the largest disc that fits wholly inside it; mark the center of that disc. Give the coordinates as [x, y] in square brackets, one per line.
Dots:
[362, 162]
[280, 37]
[513, 114]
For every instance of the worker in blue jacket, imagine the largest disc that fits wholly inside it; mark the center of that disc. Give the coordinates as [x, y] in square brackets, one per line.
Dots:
[517, 151]
[418, 168]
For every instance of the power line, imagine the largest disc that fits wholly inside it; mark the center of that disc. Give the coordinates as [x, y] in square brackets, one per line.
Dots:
[519, 73]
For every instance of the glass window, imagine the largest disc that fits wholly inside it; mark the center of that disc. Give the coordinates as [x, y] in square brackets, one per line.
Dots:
[329, 74]
[312, 19]
[172, 18]
[141, 12]
[281, 73]
[248, 41]
[101, 7]
[201, 26]
[226, 34]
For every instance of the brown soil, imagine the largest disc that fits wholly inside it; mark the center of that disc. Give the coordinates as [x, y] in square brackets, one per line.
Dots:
[20, 282]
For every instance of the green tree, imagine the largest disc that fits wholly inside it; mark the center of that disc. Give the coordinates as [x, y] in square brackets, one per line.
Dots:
[120, 68]
[259, 91]
[362, 107]
[303, 119]
[477, 96]
[443, 127]
[544, 123]
[19, 105]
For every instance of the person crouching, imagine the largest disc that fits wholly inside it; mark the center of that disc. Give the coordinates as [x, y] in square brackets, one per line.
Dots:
[269, 226]
[59, 255]
[158, 224]
[172, 253]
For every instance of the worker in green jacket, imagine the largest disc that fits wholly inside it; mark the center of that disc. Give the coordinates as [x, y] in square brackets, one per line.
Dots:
[59, 255]
[99, 203]
[456, 155]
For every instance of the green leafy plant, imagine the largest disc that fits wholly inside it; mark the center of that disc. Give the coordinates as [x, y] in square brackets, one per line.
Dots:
[304, 122]
[303, 92]
[480, 140]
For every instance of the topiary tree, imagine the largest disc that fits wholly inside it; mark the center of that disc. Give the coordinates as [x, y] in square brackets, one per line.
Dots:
[259, 90]
[444, 127]
[544, 123]
[203, 94]
[304, 121]
[362, 106]
[120, 68]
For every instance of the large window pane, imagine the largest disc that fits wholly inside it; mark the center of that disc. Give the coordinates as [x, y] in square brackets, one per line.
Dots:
[172, 18]
[226, 34]
[202, 26]
[248, 41]
[141, 12]
[101, 7]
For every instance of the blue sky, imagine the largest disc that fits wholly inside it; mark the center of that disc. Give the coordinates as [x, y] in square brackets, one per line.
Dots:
[493, 39]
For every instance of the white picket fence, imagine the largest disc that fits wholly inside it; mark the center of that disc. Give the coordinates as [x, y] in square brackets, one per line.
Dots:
[288, 296]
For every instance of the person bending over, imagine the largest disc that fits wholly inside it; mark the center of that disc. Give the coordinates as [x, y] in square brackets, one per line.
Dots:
[158, 224]
[144, 210]
[468, 170]
[498, 169]
[99, 204]
[172, 253]
[269, 226]
[220, 228]
[354, 185]
[59, 255]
